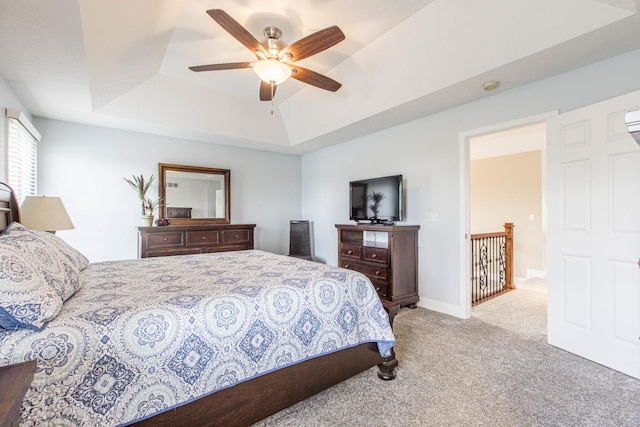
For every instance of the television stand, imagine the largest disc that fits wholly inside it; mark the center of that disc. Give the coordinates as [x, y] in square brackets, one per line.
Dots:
[391, 263]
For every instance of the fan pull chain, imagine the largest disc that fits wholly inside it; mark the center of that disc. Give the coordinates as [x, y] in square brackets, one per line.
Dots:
[272, 97]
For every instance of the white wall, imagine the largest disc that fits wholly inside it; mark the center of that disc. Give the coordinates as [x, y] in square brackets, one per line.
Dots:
[509, 189]
[85, 165]
[427, 153]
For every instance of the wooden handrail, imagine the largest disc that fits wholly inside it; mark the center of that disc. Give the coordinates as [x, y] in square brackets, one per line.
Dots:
[508, 232]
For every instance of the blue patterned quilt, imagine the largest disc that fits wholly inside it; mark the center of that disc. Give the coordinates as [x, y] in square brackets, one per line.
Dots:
[142, 336]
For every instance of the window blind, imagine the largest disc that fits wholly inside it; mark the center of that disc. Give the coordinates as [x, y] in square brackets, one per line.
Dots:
[22, 154]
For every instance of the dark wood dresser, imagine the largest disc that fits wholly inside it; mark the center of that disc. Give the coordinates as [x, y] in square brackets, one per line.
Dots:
[387, 254]
[193, 239]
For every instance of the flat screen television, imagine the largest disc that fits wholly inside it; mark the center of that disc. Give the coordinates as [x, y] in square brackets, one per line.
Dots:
[376, 200]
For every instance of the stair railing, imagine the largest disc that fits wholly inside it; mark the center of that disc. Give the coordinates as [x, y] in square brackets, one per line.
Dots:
[491, 264]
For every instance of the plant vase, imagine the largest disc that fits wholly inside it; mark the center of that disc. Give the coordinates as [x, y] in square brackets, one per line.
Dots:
[146, 220]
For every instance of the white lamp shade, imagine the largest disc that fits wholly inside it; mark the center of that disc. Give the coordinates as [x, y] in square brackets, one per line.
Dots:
[272, 71]
[44, 213]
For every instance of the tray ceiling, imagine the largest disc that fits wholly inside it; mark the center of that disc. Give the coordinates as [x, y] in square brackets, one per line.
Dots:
[123, 63]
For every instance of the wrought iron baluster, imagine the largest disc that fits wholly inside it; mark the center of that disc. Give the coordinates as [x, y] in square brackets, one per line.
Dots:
[490, 264]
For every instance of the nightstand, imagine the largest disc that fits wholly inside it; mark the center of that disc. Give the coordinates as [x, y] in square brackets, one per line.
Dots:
[14, 382]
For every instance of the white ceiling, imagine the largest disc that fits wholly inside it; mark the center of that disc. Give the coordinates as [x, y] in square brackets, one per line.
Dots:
[124, 63]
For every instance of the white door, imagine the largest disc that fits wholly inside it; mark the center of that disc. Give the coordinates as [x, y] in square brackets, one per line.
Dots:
[593, 186]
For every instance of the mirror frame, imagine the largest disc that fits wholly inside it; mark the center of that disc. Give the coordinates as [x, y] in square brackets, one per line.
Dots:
[164, 167]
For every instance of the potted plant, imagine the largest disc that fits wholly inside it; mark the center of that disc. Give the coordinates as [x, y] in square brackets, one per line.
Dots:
[147, 206]
[151, 206]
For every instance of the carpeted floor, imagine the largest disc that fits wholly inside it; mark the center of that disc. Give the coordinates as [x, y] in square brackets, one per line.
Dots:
[494, 369]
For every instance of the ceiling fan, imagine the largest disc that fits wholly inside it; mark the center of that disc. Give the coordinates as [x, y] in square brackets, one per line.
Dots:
[275, 58]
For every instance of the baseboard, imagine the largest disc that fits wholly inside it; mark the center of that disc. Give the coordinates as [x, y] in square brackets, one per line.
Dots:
[536, 273]
[440, 307]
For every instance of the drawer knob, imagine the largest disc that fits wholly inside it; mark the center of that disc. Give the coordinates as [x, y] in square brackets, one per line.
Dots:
[165, 239]
[374, 256]
[378, 273]
[203, 238]
[378, 289]
[349, 252]
[235, 236]
[346, 266]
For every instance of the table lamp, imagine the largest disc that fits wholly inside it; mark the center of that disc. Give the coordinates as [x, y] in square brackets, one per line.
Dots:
[45, 213]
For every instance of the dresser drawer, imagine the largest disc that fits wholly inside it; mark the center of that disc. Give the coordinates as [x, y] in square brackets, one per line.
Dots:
[203, 238]
[373, 271]
[351, 251]
[236, 236]
[381, 288]
[165, 239]
[375, 254]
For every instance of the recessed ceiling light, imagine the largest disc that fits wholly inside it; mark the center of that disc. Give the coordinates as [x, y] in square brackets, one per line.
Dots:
[490, 85]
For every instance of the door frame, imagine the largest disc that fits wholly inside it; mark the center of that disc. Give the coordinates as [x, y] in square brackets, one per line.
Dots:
[465, 214]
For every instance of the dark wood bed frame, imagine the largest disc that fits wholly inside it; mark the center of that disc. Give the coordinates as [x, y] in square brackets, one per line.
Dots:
[9, 210]
[250, 401]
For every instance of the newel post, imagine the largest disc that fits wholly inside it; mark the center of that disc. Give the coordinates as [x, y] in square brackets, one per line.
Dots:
[508, 229]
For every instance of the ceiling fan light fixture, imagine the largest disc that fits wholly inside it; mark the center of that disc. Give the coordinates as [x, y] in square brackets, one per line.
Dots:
[272, 71]
[272, 41]
[275, 58]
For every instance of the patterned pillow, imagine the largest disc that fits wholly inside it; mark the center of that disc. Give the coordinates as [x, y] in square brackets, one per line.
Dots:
[26, 299]
[35, 279]
[77, 259]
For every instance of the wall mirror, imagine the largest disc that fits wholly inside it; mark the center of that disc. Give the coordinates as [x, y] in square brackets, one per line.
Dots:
[194, 195]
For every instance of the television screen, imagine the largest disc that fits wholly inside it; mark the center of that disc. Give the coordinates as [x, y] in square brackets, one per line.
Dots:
[376, 199]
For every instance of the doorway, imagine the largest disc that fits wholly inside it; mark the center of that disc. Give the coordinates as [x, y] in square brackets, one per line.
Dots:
[504, 182]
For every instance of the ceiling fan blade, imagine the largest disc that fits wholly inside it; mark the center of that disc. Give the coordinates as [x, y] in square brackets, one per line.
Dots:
[315, 79]
[265, 91]
[235, 29]
[314, 43]
[215, 67]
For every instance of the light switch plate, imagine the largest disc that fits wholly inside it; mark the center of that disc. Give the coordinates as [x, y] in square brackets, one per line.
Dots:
[431, 217]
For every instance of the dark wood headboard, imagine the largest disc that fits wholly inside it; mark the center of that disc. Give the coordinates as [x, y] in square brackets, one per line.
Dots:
[9, 209]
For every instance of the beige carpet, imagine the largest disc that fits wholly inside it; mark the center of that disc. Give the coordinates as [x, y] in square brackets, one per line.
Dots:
[523, 311]
[494, 369]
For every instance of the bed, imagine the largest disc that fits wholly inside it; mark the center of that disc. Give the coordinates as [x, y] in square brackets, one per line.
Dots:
[210, 339]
